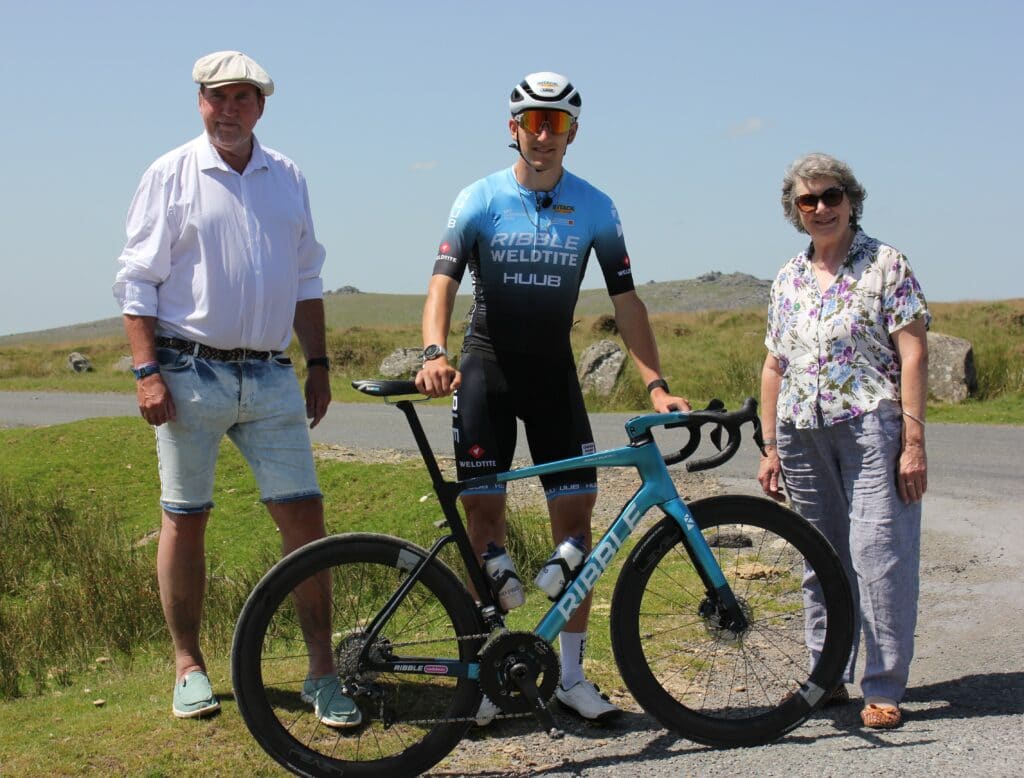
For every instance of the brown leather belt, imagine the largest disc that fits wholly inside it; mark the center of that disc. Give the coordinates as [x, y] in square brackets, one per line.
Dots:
[218, 354]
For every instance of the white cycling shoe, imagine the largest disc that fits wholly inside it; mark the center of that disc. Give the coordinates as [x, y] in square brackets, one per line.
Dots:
[586, 701]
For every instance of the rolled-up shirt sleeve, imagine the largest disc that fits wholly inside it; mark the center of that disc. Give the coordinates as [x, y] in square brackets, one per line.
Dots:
[146, 259]
[310, 255]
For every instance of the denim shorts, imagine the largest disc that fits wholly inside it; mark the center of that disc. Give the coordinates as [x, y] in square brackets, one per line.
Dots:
[257, 404]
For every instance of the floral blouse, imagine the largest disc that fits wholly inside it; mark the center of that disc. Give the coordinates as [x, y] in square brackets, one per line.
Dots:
[834, 348]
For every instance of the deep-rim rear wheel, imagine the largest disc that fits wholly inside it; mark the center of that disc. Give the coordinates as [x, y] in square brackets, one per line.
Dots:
[409, 721]
[703, 680]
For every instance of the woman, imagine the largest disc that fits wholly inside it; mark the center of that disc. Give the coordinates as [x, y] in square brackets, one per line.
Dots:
[843, 395]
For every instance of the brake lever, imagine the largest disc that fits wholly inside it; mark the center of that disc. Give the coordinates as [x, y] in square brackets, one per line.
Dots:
[716, 436]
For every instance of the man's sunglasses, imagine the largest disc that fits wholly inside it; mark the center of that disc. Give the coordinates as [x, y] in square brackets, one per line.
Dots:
[808, 203]
[533, 121]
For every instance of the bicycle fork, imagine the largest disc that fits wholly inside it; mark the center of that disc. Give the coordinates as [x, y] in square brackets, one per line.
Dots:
[720, 606]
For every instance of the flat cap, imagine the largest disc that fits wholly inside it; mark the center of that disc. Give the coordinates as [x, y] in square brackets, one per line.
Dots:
[231, 67]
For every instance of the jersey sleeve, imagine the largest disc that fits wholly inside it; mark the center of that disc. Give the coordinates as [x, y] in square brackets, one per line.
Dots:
[610, 246]
[460, 233]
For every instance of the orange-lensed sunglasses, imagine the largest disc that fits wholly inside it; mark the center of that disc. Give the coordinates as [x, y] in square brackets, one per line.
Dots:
[534, 119]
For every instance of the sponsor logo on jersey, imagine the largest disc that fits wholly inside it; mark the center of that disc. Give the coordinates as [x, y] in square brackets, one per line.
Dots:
[541, 248]
[626, 271]
[457, 206]
[532, 279]
[476, 451]
[589, 448]
[563, 208]
[555, 241]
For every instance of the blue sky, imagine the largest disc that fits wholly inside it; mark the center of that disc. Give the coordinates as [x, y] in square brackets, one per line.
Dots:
[691, 113]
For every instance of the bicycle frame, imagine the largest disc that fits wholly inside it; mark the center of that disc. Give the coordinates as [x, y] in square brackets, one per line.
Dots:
[656, 489]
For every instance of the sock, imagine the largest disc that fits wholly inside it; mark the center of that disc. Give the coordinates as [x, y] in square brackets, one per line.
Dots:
[572, 645]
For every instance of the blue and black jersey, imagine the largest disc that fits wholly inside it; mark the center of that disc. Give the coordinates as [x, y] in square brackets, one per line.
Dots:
[527, 252]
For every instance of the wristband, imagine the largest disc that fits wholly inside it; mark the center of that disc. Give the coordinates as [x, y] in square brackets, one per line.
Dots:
[323, 362]
[145, 369]
[657, 383]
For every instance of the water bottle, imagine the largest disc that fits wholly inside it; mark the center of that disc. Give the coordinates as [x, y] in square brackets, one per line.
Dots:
[502, 572]
[561, 567]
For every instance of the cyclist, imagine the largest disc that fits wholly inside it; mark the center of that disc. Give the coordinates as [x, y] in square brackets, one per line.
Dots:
[526, 234]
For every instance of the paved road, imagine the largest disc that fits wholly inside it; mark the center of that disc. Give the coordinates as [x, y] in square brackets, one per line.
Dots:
[966, 701]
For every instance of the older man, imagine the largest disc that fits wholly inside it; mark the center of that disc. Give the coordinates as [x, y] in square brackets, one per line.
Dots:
[220, 266]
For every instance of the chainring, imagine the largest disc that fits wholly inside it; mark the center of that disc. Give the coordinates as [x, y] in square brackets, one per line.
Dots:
[501, 654]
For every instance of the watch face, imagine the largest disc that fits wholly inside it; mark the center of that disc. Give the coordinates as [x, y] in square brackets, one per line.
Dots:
[433, 352]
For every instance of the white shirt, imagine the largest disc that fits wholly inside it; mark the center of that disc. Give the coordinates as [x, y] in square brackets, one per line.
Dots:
[220, 257]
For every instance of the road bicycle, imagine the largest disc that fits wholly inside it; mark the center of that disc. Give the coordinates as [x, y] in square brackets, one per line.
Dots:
[707, 617]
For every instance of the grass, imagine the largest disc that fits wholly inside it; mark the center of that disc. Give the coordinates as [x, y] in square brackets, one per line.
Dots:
[704, 354]
[80, 618]
[78, 512]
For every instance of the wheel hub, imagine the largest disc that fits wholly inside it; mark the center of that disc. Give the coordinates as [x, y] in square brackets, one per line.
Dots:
[718, 622]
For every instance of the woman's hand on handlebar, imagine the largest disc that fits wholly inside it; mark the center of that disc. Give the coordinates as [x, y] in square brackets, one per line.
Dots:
[438, 378]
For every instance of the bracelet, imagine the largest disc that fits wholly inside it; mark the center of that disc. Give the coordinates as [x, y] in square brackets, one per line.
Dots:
[657, 383]
[912, 416]
[323, 362]
[770, 442]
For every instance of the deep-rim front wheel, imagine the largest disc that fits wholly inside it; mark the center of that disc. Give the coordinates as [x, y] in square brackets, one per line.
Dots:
[409, 721]
[674, 648]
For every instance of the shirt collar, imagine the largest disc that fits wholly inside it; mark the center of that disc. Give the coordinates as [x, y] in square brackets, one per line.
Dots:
[209, 158]
[859, 241]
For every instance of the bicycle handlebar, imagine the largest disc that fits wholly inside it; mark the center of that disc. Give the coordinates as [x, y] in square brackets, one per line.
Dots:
[730, 421]
[715, 413]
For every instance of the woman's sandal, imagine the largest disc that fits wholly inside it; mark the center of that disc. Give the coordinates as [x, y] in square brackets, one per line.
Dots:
[881, 716]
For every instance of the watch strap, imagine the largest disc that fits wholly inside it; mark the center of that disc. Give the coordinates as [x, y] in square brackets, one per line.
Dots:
[150, 368]
[657, 383]
[323, 362]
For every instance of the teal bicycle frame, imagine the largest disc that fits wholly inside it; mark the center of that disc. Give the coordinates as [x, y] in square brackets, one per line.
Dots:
[657, 489]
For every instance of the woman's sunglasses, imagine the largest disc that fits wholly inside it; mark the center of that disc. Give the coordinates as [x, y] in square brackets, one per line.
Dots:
[808, 203]
[533, 121]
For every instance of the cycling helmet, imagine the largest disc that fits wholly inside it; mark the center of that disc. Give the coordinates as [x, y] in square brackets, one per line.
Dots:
[545, 90]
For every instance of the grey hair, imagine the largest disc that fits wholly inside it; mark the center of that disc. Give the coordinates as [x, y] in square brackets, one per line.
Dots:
[817, 165]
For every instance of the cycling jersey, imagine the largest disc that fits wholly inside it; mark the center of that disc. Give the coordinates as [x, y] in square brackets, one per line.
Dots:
[527, 252]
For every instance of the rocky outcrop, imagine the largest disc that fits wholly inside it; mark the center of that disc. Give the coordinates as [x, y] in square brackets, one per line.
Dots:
[79, 363]
[599, 367]
[951, 374]
[402, 363]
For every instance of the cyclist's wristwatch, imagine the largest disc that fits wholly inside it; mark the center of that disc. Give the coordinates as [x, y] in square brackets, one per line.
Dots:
[433, 351]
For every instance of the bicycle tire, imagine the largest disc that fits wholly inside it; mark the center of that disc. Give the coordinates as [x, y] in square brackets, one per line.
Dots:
[410, 722]
[701, 681]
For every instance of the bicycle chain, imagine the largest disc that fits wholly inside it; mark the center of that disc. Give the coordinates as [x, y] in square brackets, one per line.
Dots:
[464, 719]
